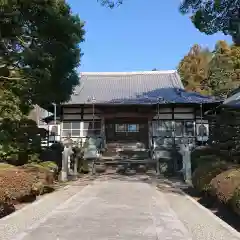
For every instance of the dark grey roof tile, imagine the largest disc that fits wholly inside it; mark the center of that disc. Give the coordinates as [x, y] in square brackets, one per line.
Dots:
[105, 87]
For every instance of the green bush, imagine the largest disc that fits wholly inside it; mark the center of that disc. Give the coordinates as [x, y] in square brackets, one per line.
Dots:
[33, 158]
[202, 151]
[6, 208]
[34, 165]
[202, 160]
[52, 166]
[224, 185]
[84, 167]
[202, 155]
[19, 137]
[203, 175]
[53, 153]
[235, 201]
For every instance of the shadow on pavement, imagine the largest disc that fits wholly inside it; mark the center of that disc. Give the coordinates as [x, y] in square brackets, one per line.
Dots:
[175, 185]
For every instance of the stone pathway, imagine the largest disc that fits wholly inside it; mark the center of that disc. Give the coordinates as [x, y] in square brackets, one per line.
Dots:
[111, 209]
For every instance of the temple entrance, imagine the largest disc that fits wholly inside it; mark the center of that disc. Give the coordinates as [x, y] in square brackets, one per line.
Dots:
[127, 130]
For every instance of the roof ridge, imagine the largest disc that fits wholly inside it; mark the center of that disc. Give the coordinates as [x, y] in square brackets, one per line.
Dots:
[128, 73]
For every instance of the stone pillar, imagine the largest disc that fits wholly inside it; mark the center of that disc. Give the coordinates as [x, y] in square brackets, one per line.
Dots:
[186, 156]
[64, 172]
[150, 133]
[75, 170]
[67, 152]
[69, 164]
[81, 129]
[158, 167]
[93, 167]
[77, 157]
[103, 133]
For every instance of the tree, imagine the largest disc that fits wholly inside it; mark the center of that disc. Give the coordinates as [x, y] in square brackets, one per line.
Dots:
[216, 73]
[212, 16]
[39, 54]
[221, 70]
[235, 55]
[193, 69]
[110, 3]
[39, 50]
[225, 134]
[208, 16]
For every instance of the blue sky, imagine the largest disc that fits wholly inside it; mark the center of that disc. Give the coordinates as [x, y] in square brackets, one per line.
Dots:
[137, 36]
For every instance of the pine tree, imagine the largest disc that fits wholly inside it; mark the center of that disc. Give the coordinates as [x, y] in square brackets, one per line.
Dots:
[225, 135]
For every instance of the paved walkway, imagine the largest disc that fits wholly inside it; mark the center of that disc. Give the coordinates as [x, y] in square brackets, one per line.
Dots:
[112, 210]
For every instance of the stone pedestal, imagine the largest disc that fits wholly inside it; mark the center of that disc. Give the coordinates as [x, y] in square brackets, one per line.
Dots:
[162, 157]
[63, 176]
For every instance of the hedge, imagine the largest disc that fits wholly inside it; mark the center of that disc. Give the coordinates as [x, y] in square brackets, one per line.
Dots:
[203, 160]
[15, 184]
[42, 173]
[84, 167]
[203, 175]
[23, 184]
[235, 201]
[202, 155]
[224, 185]
[6, 208]
[51, 166]
[202, 151]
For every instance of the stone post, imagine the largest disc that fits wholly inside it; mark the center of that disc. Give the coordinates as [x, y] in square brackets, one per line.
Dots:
[75, 169]
[158, 166]
[67, 152]
[77, 156]
[186, 156]
[93, 166]
[64, 172]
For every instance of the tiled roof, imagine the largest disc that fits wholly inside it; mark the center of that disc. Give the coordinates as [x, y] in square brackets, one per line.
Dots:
[233, 100]
[107, 87]
[134, 88]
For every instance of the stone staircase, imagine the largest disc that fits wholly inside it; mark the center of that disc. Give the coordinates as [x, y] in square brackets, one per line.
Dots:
[127, 155]
[110, 151]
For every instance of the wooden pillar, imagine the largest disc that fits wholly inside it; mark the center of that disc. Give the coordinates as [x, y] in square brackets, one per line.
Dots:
[150, 133]
[103, 133]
